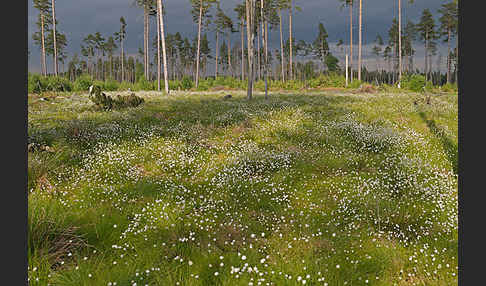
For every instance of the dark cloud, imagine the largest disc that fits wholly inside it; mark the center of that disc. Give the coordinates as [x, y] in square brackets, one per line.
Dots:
[79, 18]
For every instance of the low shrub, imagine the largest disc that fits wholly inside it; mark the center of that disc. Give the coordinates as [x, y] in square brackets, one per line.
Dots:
[331, 80]
[127, 101]
[429, 86]
[204, 85]
[37, 83]
[449, 87]
[110, 85]
[144, 84]
[106, 102]
[186, 83]
[414, 82]
[55, 83]
[83, 83]
[125, 85]
[355, 84]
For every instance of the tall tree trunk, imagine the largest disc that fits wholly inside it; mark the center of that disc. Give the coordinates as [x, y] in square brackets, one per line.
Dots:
[448, 55]
[44, 66]
[351, 41]
[111, 66]
[148, 45]
[230, 67]
[457, 59]
[281, 45]
[198, 42]
[217, 54]
[54, 36]
[250, 8]
[158, 51]
[411, 62]
[360, 32]
[377, 63]
[258, 54]
[399, 41]
[121, 60]
[290, 41]
[242, 51]
[264, 41]
[145, 35]
[164, 51]
[426, 54]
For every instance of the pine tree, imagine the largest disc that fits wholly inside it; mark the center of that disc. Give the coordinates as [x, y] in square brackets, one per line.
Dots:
[43, 24]
[409, 37]
[349, 3]
[377, 48]
[225, 25]
[120, 37]
[360, 38]
[428, 35]
[199, 11]
[240, 10]
[54, 36]
[393, 44]
[61, 43]
[281, 5]
[448, 29]
[164, 50]
[250, 32]
[320, 47]
[110, 47]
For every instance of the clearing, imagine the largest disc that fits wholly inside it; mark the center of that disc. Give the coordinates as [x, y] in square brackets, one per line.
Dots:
[323, 188]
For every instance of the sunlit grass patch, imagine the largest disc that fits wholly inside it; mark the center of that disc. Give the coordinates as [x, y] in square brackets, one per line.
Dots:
[193, 189]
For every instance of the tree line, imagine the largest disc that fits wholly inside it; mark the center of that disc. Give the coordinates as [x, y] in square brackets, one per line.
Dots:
[251, 59]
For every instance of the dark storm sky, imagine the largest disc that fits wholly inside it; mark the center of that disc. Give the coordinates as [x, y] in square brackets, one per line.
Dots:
[79, 18]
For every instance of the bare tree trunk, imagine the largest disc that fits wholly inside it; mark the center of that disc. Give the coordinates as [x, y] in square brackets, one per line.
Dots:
[217, 54]
[145, 36]
[148, 45]
[360, 32]
[102, 68]
[448, 56]
[281, 46]
[346, 70]
[351, 41]
[250, 8]
[399, 41]
[258, 62]
[199, 42]
[158, 51]
[264, 41]
[111, 66]
[230, 67]
[457, 59]
[290, 40]
[54, 36]
[411, 62]
[164, 51]
[44, 66]
[426, 54]
[122, 60]
[242, 51]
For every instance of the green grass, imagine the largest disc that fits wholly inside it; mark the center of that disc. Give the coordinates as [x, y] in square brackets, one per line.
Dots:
[190, 189]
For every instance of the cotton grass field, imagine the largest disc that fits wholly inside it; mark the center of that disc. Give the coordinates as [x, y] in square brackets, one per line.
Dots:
[319, 188]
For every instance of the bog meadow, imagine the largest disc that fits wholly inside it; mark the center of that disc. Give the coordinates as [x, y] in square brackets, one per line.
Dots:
[247, 163]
